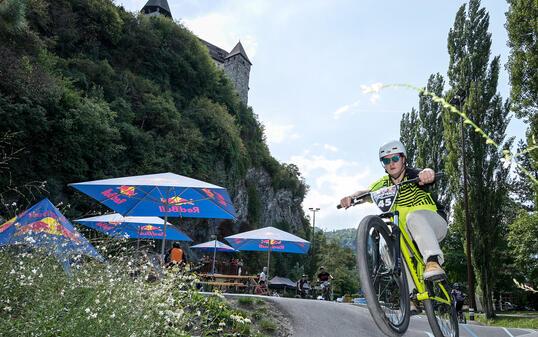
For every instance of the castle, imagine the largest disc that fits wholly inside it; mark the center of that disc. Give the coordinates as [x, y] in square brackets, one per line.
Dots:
[235, 63]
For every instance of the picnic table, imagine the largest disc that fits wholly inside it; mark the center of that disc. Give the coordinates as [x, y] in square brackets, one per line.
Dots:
[225, 282]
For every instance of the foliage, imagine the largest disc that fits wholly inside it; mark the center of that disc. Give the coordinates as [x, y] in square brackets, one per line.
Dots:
[473, 85]
[523, 60]
[114, 94]
[38, 298]
[523, 240]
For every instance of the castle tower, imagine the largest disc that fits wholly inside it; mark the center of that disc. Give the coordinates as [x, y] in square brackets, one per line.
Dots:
[237, 67]
[157, 7]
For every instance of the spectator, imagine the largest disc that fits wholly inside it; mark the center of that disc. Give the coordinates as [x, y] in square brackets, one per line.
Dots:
[176, 254]
[239, 267]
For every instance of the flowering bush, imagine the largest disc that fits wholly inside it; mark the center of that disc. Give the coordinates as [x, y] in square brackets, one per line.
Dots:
[127, 297]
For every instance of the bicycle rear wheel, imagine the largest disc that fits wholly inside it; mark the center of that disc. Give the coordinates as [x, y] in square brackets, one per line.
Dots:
[443, 317]
[387, 295]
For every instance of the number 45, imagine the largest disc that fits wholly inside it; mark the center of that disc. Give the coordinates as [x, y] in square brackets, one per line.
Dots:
[384, 203]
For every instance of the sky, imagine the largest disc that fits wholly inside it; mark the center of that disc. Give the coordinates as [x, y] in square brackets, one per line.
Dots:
[310, 59]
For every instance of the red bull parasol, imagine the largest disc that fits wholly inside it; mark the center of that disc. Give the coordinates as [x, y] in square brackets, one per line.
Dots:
[44, 226]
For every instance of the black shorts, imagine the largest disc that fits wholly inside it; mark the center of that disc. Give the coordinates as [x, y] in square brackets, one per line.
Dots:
[459, 305]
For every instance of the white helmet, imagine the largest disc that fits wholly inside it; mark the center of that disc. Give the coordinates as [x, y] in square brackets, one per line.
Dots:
[394, 146]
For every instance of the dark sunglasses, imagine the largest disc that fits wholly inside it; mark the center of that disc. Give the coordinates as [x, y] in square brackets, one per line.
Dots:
[395, 159]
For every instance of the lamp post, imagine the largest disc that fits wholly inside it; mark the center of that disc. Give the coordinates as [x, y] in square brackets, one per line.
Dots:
[314, 210]
[459, 98]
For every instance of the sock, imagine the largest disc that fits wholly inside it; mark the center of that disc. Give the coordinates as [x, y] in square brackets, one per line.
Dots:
[433, 258]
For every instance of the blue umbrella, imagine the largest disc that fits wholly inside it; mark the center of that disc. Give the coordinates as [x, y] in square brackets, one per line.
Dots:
[269, 239]
[164, 194]
[214, 246]
[43, 225]
[134, 227]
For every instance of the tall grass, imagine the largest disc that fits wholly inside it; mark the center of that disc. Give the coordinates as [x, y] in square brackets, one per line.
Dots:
[128, 297]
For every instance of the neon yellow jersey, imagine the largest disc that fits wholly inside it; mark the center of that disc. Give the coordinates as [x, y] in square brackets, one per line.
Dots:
[411, 197]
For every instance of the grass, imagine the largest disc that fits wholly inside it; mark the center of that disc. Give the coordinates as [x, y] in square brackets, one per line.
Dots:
[504, 320]
[246, 301]
[267, 325]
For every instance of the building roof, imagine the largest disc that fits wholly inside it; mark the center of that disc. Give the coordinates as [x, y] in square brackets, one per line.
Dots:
[161, 4]
[215, 52]
[238, 49]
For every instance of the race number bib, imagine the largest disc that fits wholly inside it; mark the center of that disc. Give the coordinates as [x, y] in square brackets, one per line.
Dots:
[384, 198]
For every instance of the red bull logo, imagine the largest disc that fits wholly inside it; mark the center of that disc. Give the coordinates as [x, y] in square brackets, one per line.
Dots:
[274, 244]
[8, 224]
[106, 225]
[149, 228]
[178, 201]
[213, 194]
[114, 196]
[127, 190]
[47, 225]
[176, 206]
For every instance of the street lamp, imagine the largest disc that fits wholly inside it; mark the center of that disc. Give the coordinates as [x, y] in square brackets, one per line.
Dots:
[314, 210]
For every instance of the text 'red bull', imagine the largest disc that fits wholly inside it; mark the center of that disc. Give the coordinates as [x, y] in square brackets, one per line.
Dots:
[176, 206]
[280, 247]
[114, 196]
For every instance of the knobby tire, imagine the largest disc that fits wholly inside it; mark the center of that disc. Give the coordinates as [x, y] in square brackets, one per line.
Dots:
[443, 318]
[390, 311]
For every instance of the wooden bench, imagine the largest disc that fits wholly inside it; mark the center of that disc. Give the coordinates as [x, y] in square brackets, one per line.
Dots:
[225, 284]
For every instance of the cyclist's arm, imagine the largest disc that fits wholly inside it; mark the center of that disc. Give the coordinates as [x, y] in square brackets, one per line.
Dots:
[346, 201]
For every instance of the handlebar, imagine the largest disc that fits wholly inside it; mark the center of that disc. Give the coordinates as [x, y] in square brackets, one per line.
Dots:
[360, 199]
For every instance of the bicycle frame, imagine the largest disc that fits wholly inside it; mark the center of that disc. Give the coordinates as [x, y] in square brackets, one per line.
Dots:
[409, 251]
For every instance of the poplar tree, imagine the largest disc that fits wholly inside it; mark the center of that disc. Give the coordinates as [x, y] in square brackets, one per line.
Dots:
[473, 85]
[409, 126]
[522, 28]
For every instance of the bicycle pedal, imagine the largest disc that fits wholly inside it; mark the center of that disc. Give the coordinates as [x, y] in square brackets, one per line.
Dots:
[437, 278]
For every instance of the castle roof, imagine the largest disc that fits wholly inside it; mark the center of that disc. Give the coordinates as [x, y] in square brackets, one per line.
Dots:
[238, 49]
[162, 5]
[215, 52]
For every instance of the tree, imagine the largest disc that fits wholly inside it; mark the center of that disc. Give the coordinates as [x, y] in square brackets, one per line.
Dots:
[409, 131]
[523, 69]
[473, 85]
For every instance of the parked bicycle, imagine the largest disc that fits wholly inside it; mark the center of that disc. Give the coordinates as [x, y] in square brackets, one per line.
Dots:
[382, 242]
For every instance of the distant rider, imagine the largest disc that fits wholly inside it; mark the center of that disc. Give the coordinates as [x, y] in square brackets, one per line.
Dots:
[303, 286]
[459, 296]
[323, 278]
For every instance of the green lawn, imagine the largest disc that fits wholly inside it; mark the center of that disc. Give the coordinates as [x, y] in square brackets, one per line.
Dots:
[511, 319]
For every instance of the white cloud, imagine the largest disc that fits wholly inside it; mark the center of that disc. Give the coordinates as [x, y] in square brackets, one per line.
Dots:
[222, 30]
[330, 180]
[330, 148]
[341, 110]
[278, 133]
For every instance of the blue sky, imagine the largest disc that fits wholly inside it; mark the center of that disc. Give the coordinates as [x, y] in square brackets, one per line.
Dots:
[309, 60]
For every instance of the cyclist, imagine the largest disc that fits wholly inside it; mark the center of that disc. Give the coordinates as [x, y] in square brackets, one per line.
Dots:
[459, 297]
[323, 278]
[302, 286]
[423, 216]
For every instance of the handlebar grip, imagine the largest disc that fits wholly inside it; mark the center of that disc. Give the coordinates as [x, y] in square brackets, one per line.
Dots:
[338, 206]
[439, 175]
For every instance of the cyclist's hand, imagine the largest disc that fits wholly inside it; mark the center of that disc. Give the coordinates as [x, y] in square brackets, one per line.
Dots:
[345, 202]
[426, 176]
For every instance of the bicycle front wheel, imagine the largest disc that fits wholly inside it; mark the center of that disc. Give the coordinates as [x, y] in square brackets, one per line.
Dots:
[386, 293]
[443, 317]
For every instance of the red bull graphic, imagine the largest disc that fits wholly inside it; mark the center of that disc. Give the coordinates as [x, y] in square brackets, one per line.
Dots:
[8, 224]
[275, 244]
[127, 190]
[176, 206]
[47, 225]
[149, 228]
[114, 196]
[106, 225]
[213, 194]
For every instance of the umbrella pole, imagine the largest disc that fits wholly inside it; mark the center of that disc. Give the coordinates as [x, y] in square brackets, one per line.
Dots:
[268, 263]
[138, 241]
[214, 256]
[165, 223]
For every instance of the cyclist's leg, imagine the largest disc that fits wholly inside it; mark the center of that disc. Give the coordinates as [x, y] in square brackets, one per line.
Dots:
[427, 228]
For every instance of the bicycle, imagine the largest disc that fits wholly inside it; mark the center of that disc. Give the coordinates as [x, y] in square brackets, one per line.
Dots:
[381, 244]
[326, 291]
